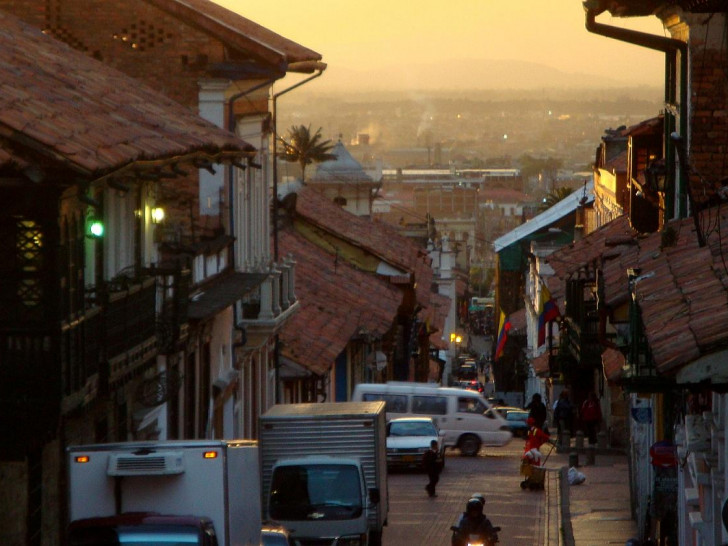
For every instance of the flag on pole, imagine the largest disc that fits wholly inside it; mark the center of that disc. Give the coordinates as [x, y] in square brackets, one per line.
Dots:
[547, 311]
[503, 327]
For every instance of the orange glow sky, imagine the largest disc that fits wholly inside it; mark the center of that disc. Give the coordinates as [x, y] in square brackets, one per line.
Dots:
[358, 38]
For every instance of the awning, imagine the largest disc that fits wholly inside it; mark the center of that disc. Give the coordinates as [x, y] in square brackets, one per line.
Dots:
[222, 292]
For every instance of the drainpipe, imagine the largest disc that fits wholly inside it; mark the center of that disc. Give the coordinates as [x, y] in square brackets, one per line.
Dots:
[305, 66]
[670, 47]
[309, 66]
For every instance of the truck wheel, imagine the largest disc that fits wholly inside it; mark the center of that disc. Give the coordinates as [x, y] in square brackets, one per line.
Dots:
[469, 445]
[375, 538]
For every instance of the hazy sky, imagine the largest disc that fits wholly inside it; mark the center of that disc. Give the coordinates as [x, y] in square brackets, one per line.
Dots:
[359, 38]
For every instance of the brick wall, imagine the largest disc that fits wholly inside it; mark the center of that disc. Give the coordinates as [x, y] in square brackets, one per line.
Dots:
[709, 118]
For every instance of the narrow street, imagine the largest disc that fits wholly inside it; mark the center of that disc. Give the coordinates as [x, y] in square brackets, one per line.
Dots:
[416, 519]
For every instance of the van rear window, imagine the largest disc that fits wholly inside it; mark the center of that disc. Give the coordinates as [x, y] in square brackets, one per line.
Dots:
[395, 403]
[429, 405]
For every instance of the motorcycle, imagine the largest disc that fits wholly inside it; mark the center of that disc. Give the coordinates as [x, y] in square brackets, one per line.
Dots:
[479, 539]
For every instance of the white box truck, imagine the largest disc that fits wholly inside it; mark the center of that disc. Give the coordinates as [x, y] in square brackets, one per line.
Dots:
[324, 471]
[196, 492]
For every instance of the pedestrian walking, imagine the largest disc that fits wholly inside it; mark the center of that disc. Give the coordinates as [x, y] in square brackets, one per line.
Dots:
[563, 413]
[591, 416]
[433, 467]
[538, 412]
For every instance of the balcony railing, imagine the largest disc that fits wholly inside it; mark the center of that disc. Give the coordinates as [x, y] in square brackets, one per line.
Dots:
[270, 305]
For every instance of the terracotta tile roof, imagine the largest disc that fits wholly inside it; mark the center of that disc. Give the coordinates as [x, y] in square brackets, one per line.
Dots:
[618, 164]
[610, 242]
[59, 103]
[436, 314]
[336, 301]
[378, 238]
[683, 295]
[682, 289]
[652, 126]
[237, 31]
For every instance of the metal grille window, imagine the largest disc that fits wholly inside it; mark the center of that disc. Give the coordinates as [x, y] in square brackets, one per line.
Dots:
[21, 268]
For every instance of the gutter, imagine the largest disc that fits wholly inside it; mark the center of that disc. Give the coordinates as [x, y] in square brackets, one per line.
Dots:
[671, 47]
[317, 68]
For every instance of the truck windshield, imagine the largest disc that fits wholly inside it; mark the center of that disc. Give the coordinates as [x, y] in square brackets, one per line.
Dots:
[132, 535]
[315, 492]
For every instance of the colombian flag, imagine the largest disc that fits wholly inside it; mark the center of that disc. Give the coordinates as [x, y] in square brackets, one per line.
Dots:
[547, 311]
[503, 327]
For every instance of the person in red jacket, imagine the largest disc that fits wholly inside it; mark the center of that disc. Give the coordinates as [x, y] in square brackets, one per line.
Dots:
[535, 437]
[591, 416]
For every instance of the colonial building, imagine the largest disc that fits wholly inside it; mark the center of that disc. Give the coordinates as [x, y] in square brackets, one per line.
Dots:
[648, 290]
[90, 314]
[368, 309]
[217, 222]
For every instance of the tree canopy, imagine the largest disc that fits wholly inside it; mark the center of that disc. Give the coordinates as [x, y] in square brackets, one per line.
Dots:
[304, 148]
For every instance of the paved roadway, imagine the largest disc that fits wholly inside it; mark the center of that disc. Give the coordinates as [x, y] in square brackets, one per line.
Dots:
[415, 519]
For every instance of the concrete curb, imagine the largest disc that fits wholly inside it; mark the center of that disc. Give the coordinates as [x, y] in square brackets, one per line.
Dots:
[567, 531]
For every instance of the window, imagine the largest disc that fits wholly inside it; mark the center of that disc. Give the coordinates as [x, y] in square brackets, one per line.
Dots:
[429, 405]
[470, 405]
[395, 403]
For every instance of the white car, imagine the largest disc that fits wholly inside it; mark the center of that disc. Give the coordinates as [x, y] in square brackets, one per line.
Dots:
[408, 438]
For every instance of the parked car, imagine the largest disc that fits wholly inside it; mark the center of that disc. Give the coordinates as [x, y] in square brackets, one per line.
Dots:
[272, 534]
[471, 385]
[407, 440]
[467, 371]
[516, 418]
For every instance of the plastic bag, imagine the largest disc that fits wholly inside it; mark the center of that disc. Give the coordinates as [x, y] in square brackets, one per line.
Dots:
[575, 477]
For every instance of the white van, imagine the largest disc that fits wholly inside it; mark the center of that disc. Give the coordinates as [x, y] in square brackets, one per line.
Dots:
[464, 417]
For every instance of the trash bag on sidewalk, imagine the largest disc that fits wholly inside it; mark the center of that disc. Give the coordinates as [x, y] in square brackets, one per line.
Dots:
[575, 477]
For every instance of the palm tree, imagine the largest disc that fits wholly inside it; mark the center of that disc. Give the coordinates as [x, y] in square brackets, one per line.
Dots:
[303, 148]
[554, 196]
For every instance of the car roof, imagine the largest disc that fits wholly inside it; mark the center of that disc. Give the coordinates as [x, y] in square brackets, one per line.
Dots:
[410, 419]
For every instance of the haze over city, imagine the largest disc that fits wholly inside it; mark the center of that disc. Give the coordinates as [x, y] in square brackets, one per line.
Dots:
[464, 44]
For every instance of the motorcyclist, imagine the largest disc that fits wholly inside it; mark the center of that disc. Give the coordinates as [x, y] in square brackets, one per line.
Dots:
[474, 522]
[478, 496]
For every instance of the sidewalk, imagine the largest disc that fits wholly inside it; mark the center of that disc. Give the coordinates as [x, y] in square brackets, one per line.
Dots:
[594, 513]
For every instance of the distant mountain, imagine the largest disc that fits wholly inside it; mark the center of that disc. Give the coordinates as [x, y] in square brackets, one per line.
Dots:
[463, 74]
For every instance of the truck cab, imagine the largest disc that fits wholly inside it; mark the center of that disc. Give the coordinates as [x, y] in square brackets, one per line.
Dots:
[324, 471]
[321, 496]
